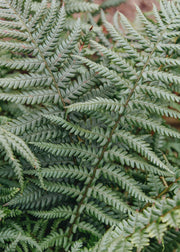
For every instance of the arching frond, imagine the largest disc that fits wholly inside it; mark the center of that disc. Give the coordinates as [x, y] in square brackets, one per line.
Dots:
[89, 105]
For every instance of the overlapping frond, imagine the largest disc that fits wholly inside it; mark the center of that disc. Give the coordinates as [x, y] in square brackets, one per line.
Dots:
[94, 123]
[11, 145]
[16, 236]
[136, 107]
[139, 228]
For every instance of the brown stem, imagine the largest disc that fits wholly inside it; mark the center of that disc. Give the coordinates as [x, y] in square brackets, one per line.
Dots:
[70, 231]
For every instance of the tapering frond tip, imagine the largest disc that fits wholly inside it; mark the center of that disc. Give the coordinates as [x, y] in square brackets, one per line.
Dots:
[75, 6]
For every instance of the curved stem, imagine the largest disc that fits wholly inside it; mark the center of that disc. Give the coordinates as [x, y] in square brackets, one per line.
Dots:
[42, 56]
[70, 231]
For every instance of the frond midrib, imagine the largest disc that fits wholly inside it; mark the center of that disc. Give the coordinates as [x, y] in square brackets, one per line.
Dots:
[112, 132]
[41, 54]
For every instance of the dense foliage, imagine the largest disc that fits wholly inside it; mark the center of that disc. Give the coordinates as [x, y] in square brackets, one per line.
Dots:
[88, 162]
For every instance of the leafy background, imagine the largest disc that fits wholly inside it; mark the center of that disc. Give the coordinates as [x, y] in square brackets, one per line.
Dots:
[171, 148]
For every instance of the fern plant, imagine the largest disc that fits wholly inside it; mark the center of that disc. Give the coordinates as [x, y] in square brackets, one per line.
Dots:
[140, 227]
[92, 115]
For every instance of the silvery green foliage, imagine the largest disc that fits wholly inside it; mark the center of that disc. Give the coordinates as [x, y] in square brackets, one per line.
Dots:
[109, 3]
[94, 124]
[139, 229]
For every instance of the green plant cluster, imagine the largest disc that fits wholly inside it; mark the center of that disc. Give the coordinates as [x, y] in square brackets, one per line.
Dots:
[88, 162]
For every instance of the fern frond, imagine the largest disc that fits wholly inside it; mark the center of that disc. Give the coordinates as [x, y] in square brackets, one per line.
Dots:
[102, 214]
[116, 174]
[98, 103]
[115, 58]
[38, 15]
[24, 81]
[73, 7]
[14, 25]
[64, 188]
[150, 124]
[20, 147]
[154, 223]
[66, 47]
[119, 155]
[134, 34]
[156, 108]
[91, 109]
[155, 185]
[97, 134]
[81, 86]
[76, 246]
[31, 199]
[89, 228]
[18, 47]
[41, 133]
[31, 97]
[68, 150]
[42, 30]
[118, 37]
[30, 64]
[138, 145]
[158, 92]
[59, 212]
[8, 193]
[9, 155]
[164, 77]
[149, 27]
[30, 121]
[108, 3]
[13, 234]
[53, 37]
[107, 196]
[158, 61]
[11, 143]
[62, 171]
[54, 239]
[103, 71]
[13, 34]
